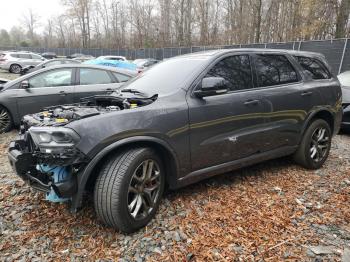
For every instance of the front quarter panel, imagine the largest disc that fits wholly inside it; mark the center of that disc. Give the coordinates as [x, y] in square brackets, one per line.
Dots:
[165, 119]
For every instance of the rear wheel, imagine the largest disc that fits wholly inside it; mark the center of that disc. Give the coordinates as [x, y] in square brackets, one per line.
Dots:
[129, 188]
[314, 148]
[16, 69]
[5, 120]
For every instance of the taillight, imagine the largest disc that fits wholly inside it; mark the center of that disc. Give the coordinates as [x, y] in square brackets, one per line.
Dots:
[3, 59]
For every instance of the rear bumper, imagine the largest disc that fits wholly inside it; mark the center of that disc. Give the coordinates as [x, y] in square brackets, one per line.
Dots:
[25, 164]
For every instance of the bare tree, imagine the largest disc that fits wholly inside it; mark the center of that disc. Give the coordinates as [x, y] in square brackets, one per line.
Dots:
[31, 22]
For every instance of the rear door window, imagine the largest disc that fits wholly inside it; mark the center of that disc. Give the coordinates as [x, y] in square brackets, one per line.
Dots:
[313, 67]
[90, 76]
[274, 70]
[236, 70]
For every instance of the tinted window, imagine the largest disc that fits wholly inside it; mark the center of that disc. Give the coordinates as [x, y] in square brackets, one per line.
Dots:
[14, 55]
[274, 70]
[168, 76]
[121, 77]
[313, 67]
[94, 76]
[235, 70]
[25, 56]
[59, 77]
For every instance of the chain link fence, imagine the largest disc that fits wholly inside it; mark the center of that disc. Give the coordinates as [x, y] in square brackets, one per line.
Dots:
[337, 51]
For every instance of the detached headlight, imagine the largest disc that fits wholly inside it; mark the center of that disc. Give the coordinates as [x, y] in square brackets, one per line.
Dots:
[47, 138]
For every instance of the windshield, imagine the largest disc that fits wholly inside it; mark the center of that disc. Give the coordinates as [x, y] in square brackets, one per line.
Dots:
[344, 78]
[166, 77]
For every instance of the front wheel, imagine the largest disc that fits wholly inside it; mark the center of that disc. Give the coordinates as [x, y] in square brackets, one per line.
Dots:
[5, 120]
[314, 148]
[129, 189]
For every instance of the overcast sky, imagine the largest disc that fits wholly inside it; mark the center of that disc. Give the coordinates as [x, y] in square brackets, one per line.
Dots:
[13, 10]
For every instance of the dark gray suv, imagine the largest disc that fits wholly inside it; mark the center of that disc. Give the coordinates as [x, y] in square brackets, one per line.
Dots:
[184, 120]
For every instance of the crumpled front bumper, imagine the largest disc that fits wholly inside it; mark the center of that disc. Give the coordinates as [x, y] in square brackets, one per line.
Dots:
[25, 163]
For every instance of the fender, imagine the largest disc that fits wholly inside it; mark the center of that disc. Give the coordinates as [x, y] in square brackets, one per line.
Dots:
[312, 115]
[83, 176]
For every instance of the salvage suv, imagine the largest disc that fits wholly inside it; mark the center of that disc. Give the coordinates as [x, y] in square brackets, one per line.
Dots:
[184, 120]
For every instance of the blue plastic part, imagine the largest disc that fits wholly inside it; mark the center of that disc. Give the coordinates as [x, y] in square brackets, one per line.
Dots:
[60, 173]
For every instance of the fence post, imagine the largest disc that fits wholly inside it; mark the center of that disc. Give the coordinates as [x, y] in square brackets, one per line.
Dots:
[299, 46]
[342, 57]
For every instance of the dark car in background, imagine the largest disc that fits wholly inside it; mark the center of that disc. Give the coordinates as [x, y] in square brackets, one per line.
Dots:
[181, 121]
[55, 85]
[143, 64]
[49, 55]
[48, 63]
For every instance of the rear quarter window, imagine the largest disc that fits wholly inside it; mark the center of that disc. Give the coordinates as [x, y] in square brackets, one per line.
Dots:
[313, 67]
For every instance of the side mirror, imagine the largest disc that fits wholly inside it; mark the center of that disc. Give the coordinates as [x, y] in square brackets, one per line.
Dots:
[212, 86]
[25, 84]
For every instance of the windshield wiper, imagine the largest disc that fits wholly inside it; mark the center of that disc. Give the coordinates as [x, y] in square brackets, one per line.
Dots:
[130, 90]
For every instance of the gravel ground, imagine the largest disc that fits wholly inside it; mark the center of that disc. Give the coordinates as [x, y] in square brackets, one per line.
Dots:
[269, 212]
[8, 75]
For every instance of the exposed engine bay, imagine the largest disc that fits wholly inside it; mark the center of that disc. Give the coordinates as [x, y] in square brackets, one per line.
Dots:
[46, 157]
[88, 107]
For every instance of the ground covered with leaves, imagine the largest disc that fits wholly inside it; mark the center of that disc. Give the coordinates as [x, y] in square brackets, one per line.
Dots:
[274, 211]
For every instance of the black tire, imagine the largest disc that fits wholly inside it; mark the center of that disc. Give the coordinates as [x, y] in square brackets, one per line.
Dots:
[311, 153]
[115, 189]
[15, 69]
[6, 122]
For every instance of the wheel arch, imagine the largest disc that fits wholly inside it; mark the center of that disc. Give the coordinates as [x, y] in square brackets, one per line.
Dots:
[88, 176]
[324, 114]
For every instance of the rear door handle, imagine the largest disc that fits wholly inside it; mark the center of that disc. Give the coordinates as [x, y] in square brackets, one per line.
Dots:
[62, 93]
[251, 102]
[306, 93]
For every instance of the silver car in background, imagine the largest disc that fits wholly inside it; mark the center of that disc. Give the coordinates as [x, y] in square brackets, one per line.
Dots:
[15, 61]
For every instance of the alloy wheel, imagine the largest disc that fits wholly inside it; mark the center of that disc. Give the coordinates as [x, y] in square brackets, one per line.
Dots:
[16, 69]
[320, 142]
[144, 189]
[5, 120]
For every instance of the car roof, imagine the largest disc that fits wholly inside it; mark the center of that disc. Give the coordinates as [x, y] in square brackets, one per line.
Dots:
[109, 68]
[219, 52]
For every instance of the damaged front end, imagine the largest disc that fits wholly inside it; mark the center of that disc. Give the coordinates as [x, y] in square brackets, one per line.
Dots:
[45, 153]
[47, 159]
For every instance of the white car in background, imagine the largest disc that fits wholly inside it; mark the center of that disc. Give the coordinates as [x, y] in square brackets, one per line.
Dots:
[15, 61]
[112, 57]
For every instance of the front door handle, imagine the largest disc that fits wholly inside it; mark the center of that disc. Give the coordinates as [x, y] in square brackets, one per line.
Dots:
[306, 93]
[62, 93]
[251, 102]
